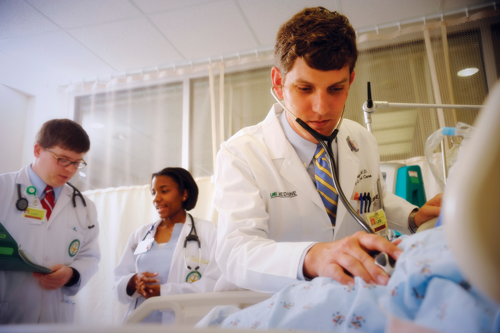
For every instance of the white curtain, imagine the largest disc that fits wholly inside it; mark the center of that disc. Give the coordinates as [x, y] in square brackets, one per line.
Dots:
[120, 212]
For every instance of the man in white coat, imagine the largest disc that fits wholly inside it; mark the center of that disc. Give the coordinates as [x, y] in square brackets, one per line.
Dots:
[57, 230]
[273, 227]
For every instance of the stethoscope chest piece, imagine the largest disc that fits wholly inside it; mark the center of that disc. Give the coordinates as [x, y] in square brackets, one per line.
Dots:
[22, 204]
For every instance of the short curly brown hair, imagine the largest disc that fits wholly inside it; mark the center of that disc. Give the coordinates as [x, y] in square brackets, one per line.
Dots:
[324, 39]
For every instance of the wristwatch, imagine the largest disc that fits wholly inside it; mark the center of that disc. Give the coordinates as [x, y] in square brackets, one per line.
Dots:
[411, 221]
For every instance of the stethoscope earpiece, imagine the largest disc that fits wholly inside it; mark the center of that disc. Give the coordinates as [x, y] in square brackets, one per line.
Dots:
[77, 193]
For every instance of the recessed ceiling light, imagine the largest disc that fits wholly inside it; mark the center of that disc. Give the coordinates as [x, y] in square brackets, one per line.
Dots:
[96, 125]
[468, 71]
[82, 174]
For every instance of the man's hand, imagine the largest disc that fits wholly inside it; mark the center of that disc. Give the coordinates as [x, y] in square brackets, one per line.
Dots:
[349, 254]
[137, 279]
[59, 277]
[148, 291]
[431, 209]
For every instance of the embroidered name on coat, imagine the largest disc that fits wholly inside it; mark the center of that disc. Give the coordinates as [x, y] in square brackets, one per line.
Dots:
[283, 194]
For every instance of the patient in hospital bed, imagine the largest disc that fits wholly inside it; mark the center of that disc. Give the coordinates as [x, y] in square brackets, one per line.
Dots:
[426, 288]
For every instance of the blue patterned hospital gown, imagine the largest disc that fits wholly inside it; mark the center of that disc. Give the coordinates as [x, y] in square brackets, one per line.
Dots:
[426, 288]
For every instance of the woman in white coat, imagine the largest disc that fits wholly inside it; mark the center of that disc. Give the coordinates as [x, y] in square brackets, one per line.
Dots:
[163, 258]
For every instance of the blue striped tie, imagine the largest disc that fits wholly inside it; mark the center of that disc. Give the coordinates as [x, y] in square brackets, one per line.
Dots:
[324, 183]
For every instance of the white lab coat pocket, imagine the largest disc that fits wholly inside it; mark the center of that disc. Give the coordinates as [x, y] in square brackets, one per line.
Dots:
[365, 190]
[196, 270]
[4, 312]
[67, 311]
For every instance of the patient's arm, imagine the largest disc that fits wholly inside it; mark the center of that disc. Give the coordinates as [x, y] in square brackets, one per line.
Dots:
[431, 209]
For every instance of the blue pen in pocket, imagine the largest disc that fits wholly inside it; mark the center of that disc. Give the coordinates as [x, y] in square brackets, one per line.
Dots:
[361, 203]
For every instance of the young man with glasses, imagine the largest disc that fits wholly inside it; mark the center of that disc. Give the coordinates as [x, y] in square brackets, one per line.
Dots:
[37, 209]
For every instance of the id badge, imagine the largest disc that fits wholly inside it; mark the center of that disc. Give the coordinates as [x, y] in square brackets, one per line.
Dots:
[34, 215]
[144, 246]
[378, 222]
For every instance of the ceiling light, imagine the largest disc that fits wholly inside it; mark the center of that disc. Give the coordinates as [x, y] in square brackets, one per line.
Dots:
[97, 125]
[468, 72]
[121, 137]
[82, 174]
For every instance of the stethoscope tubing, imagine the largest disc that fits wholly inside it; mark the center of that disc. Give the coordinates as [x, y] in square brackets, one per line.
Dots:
[76, 193]
[190, 237]
[336, 182]
[326, 144]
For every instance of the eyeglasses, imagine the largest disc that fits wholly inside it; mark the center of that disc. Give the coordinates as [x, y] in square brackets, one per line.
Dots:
[64, 162]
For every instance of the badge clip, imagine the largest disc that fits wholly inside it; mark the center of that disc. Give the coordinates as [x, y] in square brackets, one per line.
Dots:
[352, 144]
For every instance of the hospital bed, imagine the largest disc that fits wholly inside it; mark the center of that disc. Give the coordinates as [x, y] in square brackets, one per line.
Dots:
[191, 308]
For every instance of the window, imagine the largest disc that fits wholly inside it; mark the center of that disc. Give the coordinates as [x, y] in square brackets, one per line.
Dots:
[247, 100]
[133, 133]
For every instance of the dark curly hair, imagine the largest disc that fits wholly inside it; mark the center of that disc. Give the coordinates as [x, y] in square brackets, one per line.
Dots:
[324, 39]
[185, 181]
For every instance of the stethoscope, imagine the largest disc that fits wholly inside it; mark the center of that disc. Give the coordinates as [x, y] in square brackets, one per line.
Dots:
[22, 203]
[192, 236]
[326, 142]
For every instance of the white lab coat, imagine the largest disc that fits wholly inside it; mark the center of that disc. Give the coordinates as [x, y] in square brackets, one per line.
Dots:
[176, 282]
[22, 299]
[261, 239]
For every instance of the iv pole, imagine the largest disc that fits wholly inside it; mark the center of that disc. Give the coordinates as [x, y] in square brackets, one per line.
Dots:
[370, 106]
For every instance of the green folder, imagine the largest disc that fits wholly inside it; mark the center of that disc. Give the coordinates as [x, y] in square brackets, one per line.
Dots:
[13, 258]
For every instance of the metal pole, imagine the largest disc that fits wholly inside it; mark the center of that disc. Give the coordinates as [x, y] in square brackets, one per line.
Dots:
[421, 105]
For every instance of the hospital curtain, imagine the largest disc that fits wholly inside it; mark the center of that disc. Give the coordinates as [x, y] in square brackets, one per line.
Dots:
[133, 133]
[247, 102]
[120, 212]
[495, 37]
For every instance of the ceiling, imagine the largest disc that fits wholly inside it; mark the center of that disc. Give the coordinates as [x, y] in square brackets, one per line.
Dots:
[45, 42]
